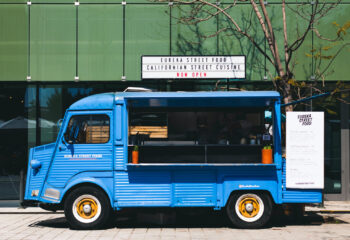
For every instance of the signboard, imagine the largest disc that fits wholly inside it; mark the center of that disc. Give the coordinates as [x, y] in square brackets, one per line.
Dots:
[193, 67]
[305, 150]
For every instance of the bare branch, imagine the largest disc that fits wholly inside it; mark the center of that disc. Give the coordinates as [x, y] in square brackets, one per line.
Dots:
[263, 26]
[318, 11]
[237, 28]
[324, 38]
[332, 60]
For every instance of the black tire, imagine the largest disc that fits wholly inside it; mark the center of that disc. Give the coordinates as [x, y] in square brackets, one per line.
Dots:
[249, 209]
[80, 201]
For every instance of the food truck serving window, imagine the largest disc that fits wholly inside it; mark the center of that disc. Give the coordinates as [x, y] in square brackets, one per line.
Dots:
[196, 135]
[85, 129]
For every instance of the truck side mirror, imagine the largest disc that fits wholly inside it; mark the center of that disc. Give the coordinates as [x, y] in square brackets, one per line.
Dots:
[59, 123]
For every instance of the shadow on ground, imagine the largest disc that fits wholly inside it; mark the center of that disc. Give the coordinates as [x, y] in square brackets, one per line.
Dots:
[149, 218]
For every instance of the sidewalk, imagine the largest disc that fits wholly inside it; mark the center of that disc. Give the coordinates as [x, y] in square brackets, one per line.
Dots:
[329, 207]
[329, 222]
[35, 223]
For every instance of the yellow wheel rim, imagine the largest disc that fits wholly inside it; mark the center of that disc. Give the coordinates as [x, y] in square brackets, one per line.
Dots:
[87, 208]
[249, 207]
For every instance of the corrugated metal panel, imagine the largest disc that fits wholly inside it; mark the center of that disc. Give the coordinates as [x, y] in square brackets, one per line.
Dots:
[119, 158]
[142, 188]
[64, 167]
[42, 154]
[302, 196]
[194, 188]
[165, 188]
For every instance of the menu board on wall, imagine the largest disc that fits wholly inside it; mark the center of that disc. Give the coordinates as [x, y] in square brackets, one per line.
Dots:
[193, 67]
[305, 150]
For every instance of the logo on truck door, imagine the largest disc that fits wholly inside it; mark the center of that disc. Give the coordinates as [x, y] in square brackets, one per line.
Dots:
[83, 156]
[248, 186]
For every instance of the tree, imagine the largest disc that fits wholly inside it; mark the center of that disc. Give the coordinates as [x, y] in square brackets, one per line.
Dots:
[282, 58]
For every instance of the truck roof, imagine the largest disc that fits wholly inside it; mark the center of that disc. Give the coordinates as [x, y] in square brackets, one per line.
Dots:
[178, 99]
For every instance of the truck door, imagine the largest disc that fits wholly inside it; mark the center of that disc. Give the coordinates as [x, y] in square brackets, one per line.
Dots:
[84, 146]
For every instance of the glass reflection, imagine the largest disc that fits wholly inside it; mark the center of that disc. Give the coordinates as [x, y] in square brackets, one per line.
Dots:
[332, 143]
[50, 112]
[14, 125]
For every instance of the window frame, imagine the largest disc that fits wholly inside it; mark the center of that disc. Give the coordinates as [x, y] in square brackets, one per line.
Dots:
[260, 110]
[97, 114]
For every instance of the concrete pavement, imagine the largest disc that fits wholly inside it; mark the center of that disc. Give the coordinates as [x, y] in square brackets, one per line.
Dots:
[329, 222]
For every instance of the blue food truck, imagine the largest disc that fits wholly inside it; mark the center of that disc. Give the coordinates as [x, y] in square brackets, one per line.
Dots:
[166, 149]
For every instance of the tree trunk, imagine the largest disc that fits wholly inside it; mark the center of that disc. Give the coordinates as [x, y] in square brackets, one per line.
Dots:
[286, 93]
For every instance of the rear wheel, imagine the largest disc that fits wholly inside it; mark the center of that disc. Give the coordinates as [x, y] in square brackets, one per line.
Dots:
[87, 208]
[249, 210]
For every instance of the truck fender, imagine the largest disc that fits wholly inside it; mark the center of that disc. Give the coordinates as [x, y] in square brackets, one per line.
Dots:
[235, 186]
[106, 183]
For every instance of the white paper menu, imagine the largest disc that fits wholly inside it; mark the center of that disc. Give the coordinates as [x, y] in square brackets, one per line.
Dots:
[305, 150]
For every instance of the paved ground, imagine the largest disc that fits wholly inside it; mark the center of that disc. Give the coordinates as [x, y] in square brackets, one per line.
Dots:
[330, 222]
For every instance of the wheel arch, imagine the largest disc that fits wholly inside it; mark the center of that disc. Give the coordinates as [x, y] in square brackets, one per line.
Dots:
[74, 186]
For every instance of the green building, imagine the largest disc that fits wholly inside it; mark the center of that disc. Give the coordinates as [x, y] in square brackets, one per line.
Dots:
[54, 52]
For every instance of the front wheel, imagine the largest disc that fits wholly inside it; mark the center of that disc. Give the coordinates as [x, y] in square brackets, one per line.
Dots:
[87, 208]
[249, 210]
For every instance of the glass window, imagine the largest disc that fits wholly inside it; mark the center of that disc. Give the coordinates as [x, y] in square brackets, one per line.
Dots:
[13, 1]
[101, 1]
[325, 52]
[53, 1]
[232, 43]
[50, 100]
[52, 42]
[83, 129]
[15, 127]
[193, 37]
[13, 42]
[100, 42]
[332, 142]
[146, 33]
[296, 25]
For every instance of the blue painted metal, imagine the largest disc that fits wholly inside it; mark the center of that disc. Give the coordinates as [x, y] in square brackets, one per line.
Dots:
[36, 178]
[107, 100]
[203, 95]
[103, 179]
[200, 99]
[95, 102]
[182, 185]
[74, 158]
[278, 147]
[150, 185]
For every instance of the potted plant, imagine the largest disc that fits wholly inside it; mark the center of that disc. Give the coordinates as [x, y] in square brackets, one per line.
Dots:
[266, 155]
[135, 155]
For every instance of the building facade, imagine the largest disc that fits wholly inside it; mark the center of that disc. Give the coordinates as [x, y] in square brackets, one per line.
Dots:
[54, 52]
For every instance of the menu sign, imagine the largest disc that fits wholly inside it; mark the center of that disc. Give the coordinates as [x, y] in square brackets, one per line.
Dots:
[305, 150]
[193, 67]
